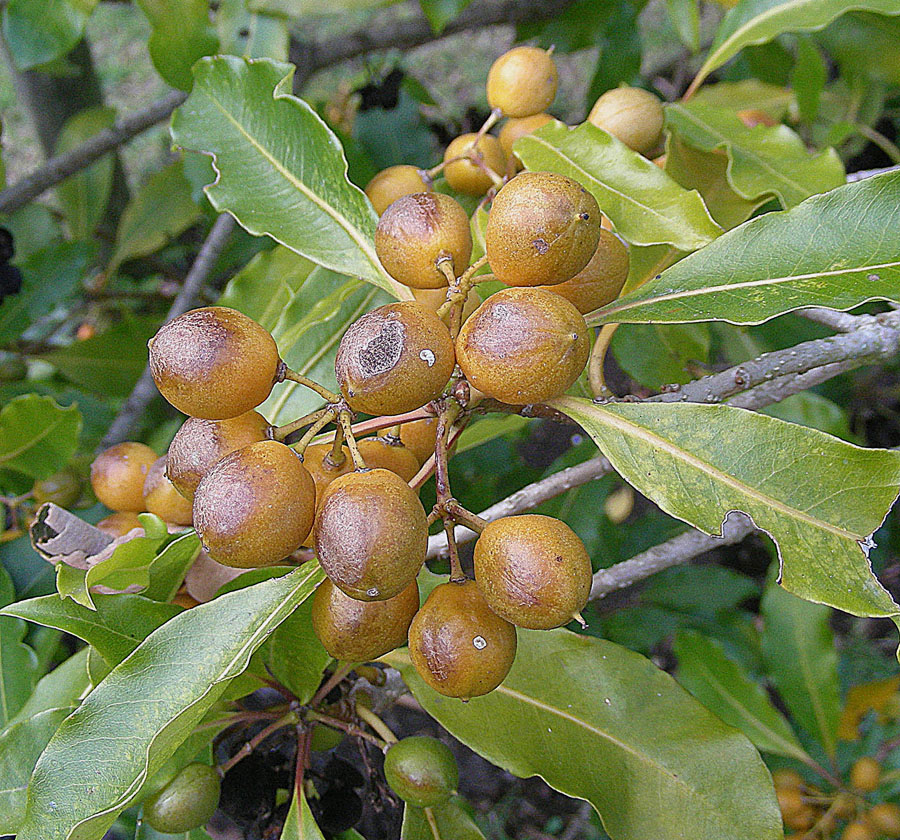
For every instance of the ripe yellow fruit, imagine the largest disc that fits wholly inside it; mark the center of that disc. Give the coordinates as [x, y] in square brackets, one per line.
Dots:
[118, 475]
[522, 82]
[865, 774]
[162, 497]
[393, 183]
[885, 819]
[633, 115]
[465, 176]
[517, 127]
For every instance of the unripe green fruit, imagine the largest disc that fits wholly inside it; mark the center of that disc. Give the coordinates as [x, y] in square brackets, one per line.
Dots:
[256, 506]
[533, 570]
[522, 82]
[394, 359]
[118, 474]
[466, 176]
[360, 631]
[543, 229]
[633, 115]
[200, 444]
[395, 182]
[421, 771]
[371, 534]
[62, 488]
[186, 803]
[162, 497]
[458, 645]
[517, 127]
[389, 454]
[214, 363]
[418, 230]
[523, 346]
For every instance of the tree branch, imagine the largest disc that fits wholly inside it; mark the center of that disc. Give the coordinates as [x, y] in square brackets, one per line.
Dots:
[145, 389]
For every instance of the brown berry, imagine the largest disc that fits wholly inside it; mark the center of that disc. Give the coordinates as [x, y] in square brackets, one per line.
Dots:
[200, 444]
[394, 359]
[393, 183]
[522, 82]
[419, 437]
[633, 115]
[518, 127]
[885, 819]
[533, 570]
[256, 506]
[185, 600]
[523, 346]
[323, 468]
[466, 176]
[359, 631]
[371, 534]
[601, 280]
[458, 645]
[118, 474]
[388, 453]
[857, 831]
[543, 229]
[786, 778]
[790, 802]
[120, 523]
[416, 232]
[162, 497]
[865, 774]
[214, 363]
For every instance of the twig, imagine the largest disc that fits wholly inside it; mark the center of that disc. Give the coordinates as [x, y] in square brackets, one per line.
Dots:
[287, 720]
[145, 389]
[831, 318]
[860, 174]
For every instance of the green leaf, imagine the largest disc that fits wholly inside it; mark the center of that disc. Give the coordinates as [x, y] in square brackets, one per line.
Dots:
[819, 498]
[281, 170]
[180, 36]
[295, 655]
[865, 44]
[300, 8]
[64, 686]
[837, 250]
[808, 79]
[601, 723]
[299, 823]
[38, 437]
[645, 205]
[727, 691]
[452, 820]
[798, 647]
[109, 363]
[18, 663]
[38, 33]
[775, 100]
[657, 355]
[761, 21]
[147, 707]
[441, 12]
[251, 34]
[49, 276]
[161, 210]
[685, 15]
[84, 195]
[763, 160]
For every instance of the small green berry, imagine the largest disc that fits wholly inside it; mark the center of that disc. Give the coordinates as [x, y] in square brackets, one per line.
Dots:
[421, 771]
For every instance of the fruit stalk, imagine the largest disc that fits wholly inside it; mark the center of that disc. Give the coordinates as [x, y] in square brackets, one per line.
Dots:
[376, 723]
[345, 420]
[289, 375]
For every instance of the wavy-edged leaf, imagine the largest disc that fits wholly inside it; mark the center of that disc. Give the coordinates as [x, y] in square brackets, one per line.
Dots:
[726, 690]
[451, 820]
[18, 662]
[761, 21]
[601, 723]
[281, 170]
[131, 723]
[798, 647]
[819, 498]
[646, 206]
[763, 160]
[181, 34]
[37, 435]
[838, 250]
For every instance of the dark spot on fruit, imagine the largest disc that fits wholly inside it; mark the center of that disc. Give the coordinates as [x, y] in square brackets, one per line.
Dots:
[584, 216]
[541, 246]
[383, 351]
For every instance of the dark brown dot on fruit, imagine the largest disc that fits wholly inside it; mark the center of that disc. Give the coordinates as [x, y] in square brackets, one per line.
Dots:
[244, 33]
[541, 246]
[584, 217]
[383, 351]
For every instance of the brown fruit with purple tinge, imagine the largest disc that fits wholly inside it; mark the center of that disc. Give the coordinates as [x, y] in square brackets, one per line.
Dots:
[214, 363]
[371, 534]
[162, 497]
[533, 571]
[256, 506]
[417, 231]
[522, 82]
[395, 182]
[200, 444]
[359, 631]
[542, 229]
[394, 359]
[118, 475]
[387, 453]
[458, 645]
[523, 346]
[465, 175]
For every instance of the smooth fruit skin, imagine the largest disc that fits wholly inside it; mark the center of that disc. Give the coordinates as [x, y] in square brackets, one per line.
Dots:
[359, 631]
[63, 488]
[318, 462]
[517, 127]
[200, 444]
[120, 523]
[118, 474]
[421, 771]
[393, 183]
[633, 115]
[467, 177]
[389, 454]
[786, 778]
[885, 819]
[542, 229]
[523, 346]
[419, 437]
[162, 497]
[256, 506]
[601, 280]
[857, 831]
[214, 363]
[371, 534]
[865, 774]
[522, 82]
[416, 231]
[458, 645]
[395, 358]
[187, 802]
[533, 570]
